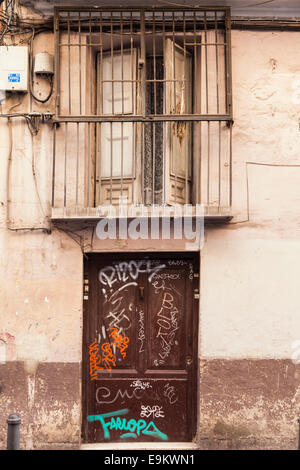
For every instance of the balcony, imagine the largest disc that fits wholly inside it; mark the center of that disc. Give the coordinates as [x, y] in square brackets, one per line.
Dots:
[143, 110]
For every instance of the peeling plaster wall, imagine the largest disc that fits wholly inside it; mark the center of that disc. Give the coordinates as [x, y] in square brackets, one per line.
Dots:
[41, 327]
[249, 404]
[249, 385]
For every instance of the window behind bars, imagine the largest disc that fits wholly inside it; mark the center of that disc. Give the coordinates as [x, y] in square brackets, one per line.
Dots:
[143, 107]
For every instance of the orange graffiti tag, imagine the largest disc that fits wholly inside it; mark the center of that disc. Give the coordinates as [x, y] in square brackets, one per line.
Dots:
[108, 357]
[95, 360]
[120, 341]
[105, 357]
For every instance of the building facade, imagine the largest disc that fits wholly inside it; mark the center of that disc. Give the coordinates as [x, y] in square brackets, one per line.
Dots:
[150, 224]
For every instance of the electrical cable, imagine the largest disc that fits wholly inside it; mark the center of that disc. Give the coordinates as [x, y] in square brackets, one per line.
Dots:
[14, 25]
[73, 235]
[30, 229]
[256, 4]
[9, 164]
[7, 25]
[32, 119]
[33, 128]
[31, 71]
[280, 165]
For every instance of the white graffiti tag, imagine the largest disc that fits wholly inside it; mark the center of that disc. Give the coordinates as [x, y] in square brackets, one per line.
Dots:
[104, 395]
[141, 331]
[167, 322]
[170, 393]
[125, 271]
[154, 411]
[138, 384]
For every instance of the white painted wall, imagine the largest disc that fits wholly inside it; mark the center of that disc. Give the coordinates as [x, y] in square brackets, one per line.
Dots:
[250, 270]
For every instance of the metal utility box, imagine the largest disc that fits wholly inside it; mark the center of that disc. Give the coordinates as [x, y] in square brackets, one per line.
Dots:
[44, 64]
[14, 68]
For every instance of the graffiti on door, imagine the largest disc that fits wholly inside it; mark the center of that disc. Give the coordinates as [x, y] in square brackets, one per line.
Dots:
[167, 325]
[137, 350]
[125, 271]
[134, 428]
[105, 354]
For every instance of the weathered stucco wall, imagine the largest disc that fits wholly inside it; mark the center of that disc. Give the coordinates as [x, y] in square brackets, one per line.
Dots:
[249, 385]
[41, 287]
[41, 327]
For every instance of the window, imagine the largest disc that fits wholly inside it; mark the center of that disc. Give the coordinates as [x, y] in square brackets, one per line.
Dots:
[168, 91]
[150, 92]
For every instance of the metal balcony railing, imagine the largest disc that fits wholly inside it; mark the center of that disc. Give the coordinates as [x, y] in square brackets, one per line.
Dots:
[143, 108]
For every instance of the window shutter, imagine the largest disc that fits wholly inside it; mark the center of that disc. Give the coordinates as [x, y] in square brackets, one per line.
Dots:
[116, 96]
[178, 100]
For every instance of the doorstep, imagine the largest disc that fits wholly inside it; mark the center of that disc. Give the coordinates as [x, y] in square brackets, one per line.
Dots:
[141, 446]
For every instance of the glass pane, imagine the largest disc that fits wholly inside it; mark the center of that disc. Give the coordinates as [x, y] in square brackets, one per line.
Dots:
[117, 72]
[116, 147]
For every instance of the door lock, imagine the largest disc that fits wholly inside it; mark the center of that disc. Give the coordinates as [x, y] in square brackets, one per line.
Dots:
[141, 293]
[188, 360]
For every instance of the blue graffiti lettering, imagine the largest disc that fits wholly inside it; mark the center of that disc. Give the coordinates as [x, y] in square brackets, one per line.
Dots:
[134, 428]
[128, 434]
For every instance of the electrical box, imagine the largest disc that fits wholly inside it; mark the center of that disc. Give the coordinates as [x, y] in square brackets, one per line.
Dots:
[44, 64]
[14, 68]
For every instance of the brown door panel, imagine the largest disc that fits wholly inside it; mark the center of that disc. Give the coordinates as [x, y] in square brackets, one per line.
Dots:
[167, 347]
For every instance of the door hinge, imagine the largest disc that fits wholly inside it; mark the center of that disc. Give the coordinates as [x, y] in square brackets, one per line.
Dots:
[196, 294]
[85, 289]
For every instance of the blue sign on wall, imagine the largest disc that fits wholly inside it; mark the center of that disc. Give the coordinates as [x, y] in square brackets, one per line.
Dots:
[14, 77]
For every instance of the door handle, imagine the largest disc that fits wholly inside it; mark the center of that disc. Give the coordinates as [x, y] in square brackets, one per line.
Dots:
[141, 293]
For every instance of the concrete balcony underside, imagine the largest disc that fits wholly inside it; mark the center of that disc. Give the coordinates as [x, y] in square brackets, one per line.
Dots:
[212, 214]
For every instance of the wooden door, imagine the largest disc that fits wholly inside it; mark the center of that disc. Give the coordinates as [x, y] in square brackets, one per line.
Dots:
[140, 348]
